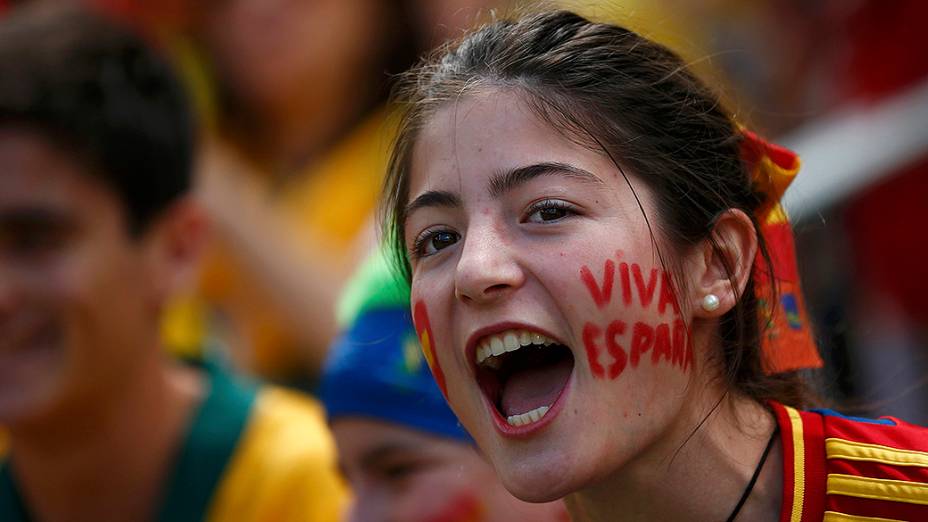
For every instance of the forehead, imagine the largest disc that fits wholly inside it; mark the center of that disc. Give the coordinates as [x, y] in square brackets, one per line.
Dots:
[470, 139]
[36, 173]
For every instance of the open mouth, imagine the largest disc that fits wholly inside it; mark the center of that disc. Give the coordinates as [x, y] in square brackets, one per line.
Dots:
[522, 373]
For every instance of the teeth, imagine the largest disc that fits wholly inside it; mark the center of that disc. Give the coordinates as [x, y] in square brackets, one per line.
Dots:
[508, 341]
[497, 345]
[528, 417]
[511, 342]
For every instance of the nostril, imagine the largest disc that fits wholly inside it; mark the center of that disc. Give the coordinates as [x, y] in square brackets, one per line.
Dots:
[496, 288]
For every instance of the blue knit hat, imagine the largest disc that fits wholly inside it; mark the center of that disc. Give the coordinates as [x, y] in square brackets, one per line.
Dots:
[376, 368]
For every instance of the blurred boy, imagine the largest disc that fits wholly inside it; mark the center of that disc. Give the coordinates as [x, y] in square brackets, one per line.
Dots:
[96, 231]
[400, 446]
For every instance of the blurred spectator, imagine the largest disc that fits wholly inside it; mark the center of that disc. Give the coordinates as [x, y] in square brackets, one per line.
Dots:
[292, 182]
[96, 231]
[400, 446]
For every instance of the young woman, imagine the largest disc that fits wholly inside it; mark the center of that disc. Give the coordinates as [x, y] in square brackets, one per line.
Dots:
[592, 242]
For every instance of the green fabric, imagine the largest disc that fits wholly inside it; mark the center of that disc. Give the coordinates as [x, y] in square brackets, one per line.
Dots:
[210, 444]
[375, 285]
[11, 505]
[211, 441]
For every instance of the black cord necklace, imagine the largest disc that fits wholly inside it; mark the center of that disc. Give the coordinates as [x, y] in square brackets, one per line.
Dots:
[757, 470]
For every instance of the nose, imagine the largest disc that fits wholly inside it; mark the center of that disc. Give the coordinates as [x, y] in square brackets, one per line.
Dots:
[488, 269]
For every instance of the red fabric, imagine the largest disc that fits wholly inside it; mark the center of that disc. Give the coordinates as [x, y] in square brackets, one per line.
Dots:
[887, 227]
[817, 428]
[866, 507]
[813, 505]
[786, 334]
[901, 435]
[888, 50]
[813, 455]
[789, 451]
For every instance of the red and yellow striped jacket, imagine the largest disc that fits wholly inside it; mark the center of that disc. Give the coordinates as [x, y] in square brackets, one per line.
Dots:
[847, 469]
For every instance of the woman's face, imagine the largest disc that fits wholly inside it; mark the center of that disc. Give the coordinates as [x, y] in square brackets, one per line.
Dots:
[532, 247]
[275, 49]
[402, 475]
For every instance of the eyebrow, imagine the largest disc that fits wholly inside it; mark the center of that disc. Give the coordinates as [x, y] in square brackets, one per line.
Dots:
[387, 450]
[18, 217]
[503, 182]
[433, 198]
[506, 181]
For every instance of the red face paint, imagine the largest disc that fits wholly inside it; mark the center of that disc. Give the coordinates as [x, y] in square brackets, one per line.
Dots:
[590, 333]
[668, 342]
[613, 331]
[668, 296]
[420, 318]
[642, 337]
[465, 507]
[645, 291]
[631, 277]
[601, 294]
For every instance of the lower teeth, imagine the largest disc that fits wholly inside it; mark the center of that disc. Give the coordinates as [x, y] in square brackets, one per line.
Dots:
[528, 417]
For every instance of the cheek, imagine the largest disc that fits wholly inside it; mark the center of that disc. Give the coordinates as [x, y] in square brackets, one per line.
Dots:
[463, 505]
[427, 341]
[633, 319]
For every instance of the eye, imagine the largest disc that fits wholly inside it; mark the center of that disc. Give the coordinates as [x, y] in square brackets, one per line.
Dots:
[549, 210]
[431, 241]
[31, 241]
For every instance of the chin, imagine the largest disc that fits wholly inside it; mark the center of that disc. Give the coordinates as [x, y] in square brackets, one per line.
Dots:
[541, 477]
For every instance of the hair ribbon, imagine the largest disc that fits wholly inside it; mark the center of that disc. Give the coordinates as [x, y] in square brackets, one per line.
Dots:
[786, 338]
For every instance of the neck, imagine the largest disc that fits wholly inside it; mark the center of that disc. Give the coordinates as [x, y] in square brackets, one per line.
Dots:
[107, 458]
[698, 477]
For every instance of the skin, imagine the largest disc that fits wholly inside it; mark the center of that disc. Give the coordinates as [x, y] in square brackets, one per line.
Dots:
[271, 50]
[512, 255]
[93, 409]
[404, 475]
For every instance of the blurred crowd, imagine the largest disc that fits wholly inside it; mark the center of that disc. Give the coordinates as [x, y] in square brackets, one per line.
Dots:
[293, 130]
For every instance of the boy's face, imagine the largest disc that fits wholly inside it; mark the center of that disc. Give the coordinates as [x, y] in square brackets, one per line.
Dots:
[79, 297]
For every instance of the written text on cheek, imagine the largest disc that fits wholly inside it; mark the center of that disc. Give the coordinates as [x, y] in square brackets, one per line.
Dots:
[614, 346]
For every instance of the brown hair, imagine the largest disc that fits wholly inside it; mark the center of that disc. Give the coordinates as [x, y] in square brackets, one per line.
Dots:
[612, 90]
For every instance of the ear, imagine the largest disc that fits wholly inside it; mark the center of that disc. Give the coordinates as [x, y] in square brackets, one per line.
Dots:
[172, 248]
[723, 263]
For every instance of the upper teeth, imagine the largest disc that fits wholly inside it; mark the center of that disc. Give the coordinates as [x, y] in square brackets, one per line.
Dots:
[509, 341]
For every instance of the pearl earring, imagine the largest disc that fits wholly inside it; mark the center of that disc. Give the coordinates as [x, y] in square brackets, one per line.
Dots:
[710, 302]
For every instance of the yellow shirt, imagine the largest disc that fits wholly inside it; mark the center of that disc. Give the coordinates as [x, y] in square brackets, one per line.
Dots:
[251, 454]
[284, 468]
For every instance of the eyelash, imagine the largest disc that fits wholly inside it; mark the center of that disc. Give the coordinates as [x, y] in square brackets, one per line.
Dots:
[421, 242]
[546, 204]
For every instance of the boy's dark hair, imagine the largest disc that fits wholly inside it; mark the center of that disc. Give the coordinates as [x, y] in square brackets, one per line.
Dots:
[97, 90]
[617, 92]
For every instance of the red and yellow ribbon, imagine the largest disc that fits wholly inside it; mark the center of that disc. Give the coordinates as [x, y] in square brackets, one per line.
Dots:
[786, 336]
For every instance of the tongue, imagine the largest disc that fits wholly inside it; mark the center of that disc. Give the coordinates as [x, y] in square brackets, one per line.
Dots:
[530, 388]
